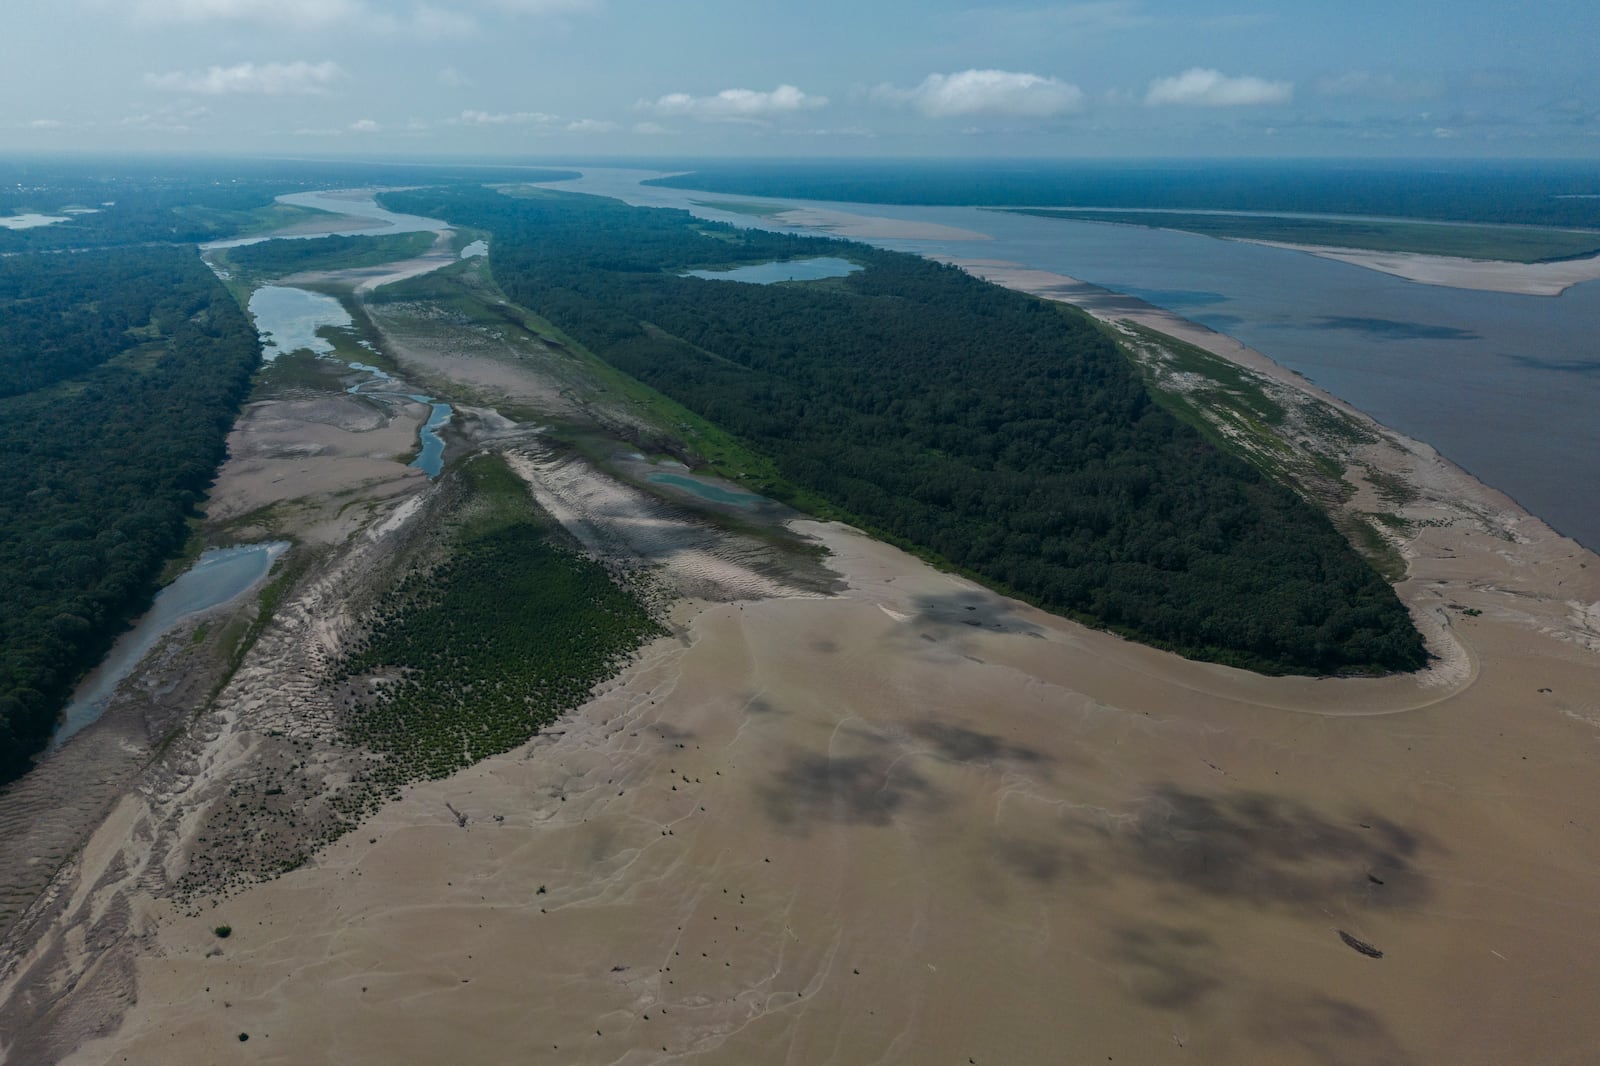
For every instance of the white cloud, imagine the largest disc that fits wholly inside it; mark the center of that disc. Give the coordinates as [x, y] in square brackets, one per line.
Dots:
[365, 125]
[451, 78]
[988, 92]
[539, 122]
[653, 129]
[45, 124]
[504, 118]
[299, 78]
[736, 105]
[1201, 87]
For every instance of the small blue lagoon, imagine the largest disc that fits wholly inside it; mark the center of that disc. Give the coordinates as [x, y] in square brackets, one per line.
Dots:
[289, 318]
[706, 491]
[217, 577]
[787, 270]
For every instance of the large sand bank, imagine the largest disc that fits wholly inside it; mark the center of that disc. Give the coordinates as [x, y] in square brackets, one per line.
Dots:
[918, 822]
[1492, 275]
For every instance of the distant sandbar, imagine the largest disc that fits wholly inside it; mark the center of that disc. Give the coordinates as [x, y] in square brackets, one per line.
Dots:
[1489, 275]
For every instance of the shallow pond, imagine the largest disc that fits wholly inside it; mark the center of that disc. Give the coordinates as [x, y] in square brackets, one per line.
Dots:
[288, 319]
[217, 577]
[786, 270]
[30, 221]
[707, 491]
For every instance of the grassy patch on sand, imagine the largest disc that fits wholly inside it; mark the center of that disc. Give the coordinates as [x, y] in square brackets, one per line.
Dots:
[743, 207]
[277, 258]
[254, 222]
[469, 656]
[467, 296]
[1291, 437]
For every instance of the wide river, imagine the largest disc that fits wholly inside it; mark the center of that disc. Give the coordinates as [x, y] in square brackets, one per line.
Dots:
[1506, 386]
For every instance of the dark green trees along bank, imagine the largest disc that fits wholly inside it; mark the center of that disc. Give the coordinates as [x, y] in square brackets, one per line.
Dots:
[121, 371]
[1004, 434]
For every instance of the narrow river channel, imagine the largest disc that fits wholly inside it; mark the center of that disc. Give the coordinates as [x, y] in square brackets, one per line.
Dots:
[288, 319]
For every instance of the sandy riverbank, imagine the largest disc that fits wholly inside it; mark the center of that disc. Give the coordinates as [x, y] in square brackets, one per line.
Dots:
[917, 819]
[1491, 275]
[917, 822]
[316, 227]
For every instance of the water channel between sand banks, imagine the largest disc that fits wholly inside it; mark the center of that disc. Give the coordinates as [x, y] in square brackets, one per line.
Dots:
[219, 577]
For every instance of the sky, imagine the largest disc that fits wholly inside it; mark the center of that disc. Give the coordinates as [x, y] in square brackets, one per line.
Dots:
[574, 79]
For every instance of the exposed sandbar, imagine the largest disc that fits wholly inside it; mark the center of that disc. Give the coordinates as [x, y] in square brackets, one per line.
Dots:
[872, 227]
[1490, 275]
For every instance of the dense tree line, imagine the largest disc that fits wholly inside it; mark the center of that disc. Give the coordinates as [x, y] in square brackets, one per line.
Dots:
[107, 456]
[61, 315]
[1006, 434]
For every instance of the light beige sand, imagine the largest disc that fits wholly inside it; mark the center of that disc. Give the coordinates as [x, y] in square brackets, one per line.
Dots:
[363, 280]
[871, 227]
[316, 453]
[331, 224]
[1491, 275]
[866, 829]
[1109, 306]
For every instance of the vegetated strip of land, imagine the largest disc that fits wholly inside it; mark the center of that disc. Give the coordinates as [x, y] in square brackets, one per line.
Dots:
[121, 372]
[996, 431]
[1542, 193]
[494, 627]
[743, 207]
[1516, 244]
[276, 258]
[475, 651]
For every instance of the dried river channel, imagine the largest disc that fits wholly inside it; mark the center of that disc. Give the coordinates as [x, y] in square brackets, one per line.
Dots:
[288, 319]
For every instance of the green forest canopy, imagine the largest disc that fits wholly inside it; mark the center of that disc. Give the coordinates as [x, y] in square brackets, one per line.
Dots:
[122, 371]
[1003, 433]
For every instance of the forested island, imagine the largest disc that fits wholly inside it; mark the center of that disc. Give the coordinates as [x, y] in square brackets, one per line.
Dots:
[1001, 433]
[288, 256]
[1517, 244]
[120, 374]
